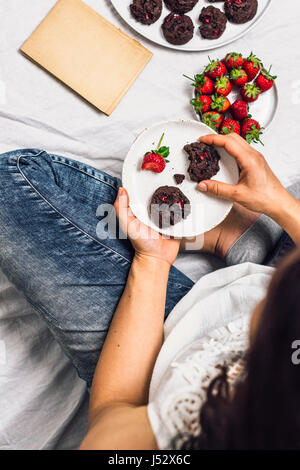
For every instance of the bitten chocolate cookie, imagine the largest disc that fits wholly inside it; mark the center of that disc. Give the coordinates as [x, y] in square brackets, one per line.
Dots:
[213, 22]
[204, 161]
[146, 11]
[180, 6]
[178, 29]
[240, 11]
[169, 206]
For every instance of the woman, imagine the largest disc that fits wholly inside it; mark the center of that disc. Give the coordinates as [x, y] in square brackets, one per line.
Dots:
[49, 249]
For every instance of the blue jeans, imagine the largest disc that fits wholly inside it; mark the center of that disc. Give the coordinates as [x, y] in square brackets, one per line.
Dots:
[50, 250]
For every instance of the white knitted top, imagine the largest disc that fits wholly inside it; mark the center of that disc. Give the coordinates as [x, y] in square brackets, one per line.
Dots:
[186, 366]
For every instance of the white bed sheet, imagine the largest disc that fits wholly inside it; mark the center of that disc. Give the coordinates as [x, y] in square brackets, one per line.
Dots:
[43, 403]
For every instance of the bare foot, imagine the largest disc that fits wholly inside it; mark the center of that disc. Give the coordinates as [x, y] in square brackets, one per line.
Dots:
[220, 239]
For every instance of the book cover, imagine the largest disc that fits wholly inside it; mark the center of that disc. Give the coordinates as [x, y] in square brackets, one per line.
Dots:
[87, 53]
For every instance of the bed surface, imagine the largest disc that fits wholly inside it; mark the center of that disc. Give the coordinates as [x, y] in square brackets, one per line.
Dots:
[43, 403]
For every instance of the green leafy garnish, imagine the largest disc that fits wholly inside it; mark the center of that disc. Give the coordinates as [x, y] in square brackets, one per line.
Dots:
[164, 152]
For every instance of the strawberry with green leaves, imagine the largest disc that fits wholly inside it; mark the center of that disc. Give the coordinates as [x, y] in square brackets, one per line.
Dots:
[212, 119]
[238, 77]
[156, 159]
[251, 130]
[203, 84]
[215, 69]
[239, 109]
[220, 103]
[233, 60]
[223, 86]
[229, 126]
[250, 92]
[202, 103]
[252, 65]
[265, 80]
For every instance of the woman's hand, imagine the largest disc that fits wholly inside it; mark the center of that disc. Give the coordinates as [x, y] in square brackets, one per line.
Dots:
[145, 241]
[258, 188]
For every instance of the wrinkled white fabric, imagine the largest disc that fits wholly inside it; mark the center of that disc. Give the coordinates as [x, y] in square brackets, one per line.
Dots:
[41, 407]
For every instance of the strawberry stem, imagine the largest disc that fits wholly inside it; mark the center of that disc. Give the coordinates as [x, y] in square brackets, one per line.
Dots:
[159, 144]
[258, 140]
[189, 78]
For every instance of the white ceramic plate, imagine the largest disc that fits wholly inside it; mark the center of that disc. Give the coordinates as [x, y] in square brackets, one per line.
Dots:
[154, 32]
[263, 109]
[206, 211]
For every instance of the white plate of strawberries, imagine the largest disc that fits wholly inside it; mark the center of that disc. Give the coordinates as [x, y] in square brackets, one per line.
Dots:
[236, 94]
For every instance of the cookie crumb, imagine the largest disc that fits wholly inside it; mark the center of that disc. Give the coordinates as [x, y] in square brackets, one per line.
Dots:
[179, 178]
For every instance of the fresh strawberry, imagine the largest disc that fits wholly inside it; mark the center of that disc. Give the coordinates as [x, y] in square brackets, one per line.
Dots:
[203, 84]
[156, 159]
[238, 77]
[202, 103]
[252, 66]
[153, 162]
[229, 126]
[220, 103]
[233, 60]
[239, 109]
[215, 69]
[250, 92]
[212, 119]
[223, 86]
[251, 130]
[265, 80]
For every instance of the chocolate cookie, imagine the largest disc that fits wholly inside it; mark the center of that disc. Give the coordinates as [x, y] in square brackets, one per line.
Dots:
[204, 161]
[169, 206]
[146, 11]
[180, 6]
[179, 178]
[240, 11]
[178, 29]
[213, 22]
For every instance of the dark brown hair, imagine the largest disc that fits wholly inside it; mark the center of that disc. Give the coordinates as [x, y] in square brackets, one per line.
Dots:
[264, 410]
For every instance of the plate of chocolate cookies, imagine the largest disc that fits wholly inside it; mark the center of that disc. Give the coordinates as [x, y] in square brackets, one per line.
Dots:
[191, 25]
[161, 173]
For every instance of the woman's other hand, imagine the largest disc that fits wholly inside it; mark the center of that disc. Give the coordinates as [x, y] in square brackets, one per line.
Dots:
[258, 188]
[146, 241]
